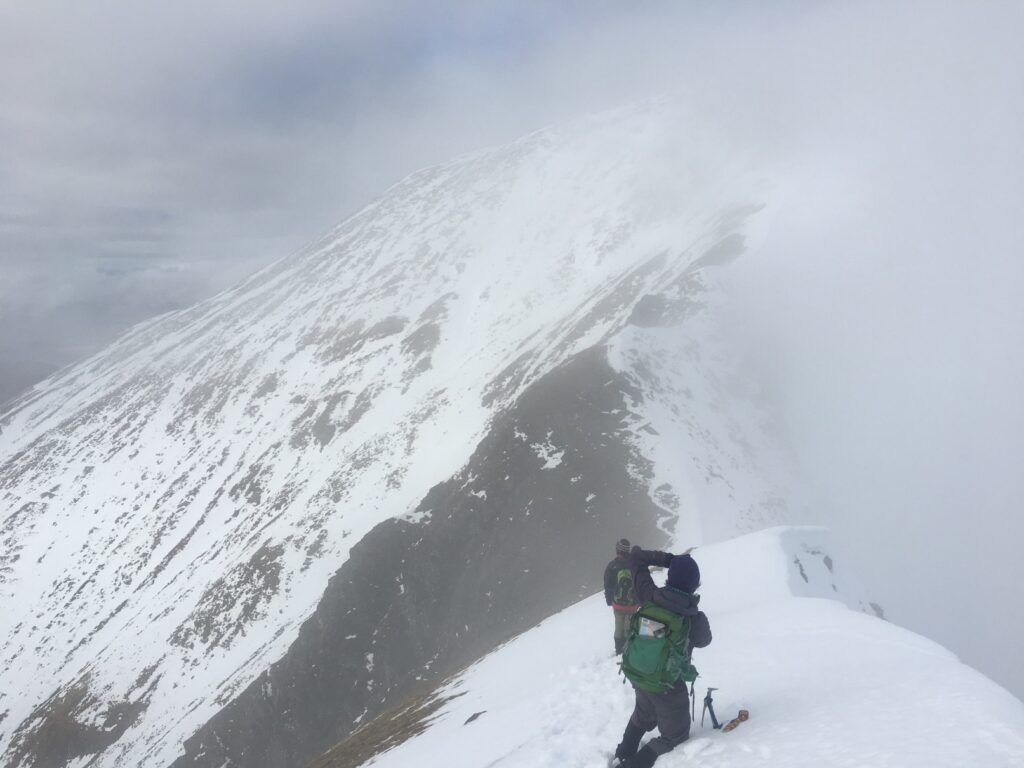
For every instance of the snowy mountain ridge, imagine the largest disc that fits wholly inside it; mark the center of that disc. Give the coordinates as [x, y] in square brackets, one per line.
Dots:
[500, 352]
[824, 685]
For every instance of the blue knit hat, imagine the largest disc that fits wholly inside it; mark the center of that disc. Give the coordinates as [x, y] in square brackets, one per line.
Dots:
[683, 574]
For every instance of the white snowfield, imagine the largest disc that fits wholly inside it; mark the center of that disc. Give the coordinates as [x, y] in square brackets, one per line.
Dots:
[825, 685]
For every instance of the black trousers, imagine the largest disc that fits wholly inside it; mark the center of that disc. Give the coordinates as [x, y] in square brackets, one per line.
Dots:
[670, 712]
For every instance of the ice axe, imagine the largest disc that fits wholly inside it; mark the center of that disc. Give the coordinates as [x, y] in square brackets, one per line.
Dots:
[709, 706]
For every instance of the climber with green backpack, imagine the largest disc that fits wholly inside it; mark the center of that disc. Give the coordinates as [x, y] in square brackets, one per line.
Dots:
[656, 658]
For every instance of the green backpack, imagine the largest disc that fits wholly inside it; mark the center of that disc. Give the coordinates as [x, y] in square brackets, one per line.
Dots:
[625, 592]
[657, 652]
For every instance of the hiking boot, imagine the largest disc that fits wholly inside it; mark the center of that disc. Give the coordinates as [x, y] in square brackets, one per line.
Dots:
[643, 759]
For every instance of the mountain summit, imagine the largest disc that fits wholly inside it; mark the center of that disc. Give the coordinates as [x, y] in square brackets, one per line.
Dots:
[246, 528]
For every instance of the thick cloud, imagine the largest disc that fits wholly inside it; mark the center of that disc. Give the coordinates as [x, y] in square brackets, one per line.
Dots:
[155, 153]
[886, 304]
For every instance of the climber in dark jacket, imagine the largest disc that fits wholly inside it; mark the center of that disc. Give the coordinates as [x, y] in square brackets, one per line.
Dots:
[669, 711]
[619, 592]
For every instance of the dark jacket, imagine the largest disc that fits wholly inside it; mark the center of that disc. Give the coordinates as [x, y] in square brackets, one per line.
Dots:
[640, 560]
[611, 580]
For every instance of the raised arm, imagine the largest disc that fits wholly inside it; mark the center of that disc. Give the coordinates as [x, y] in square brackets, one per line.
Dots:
[639, 562]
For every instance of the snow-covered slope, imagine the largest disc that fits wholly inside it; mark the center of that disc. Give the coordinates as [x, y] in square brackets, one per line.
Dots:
[491, 372]
[824, 685]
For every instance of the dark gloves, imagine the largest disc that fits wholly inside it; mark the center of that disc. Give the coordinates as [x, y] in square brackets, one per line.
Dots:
[643, 759]
[668, 559]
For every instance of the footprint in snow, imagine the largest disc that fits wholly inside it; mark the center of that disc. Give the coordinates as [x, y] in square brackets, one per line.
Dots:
[702, 746]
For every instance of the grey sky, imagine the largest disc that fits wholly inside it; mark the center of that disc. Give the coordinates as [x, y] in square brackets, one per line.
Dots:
[151, 154]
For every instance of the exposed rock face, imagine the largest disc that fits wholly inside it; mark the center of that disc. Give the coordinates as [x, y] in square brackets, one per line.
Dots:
[524, 530]
[61, 728]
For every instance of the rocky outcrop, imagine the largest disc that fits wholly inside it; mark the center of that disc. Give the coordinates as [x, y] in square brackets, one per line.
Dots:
[521, 532]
